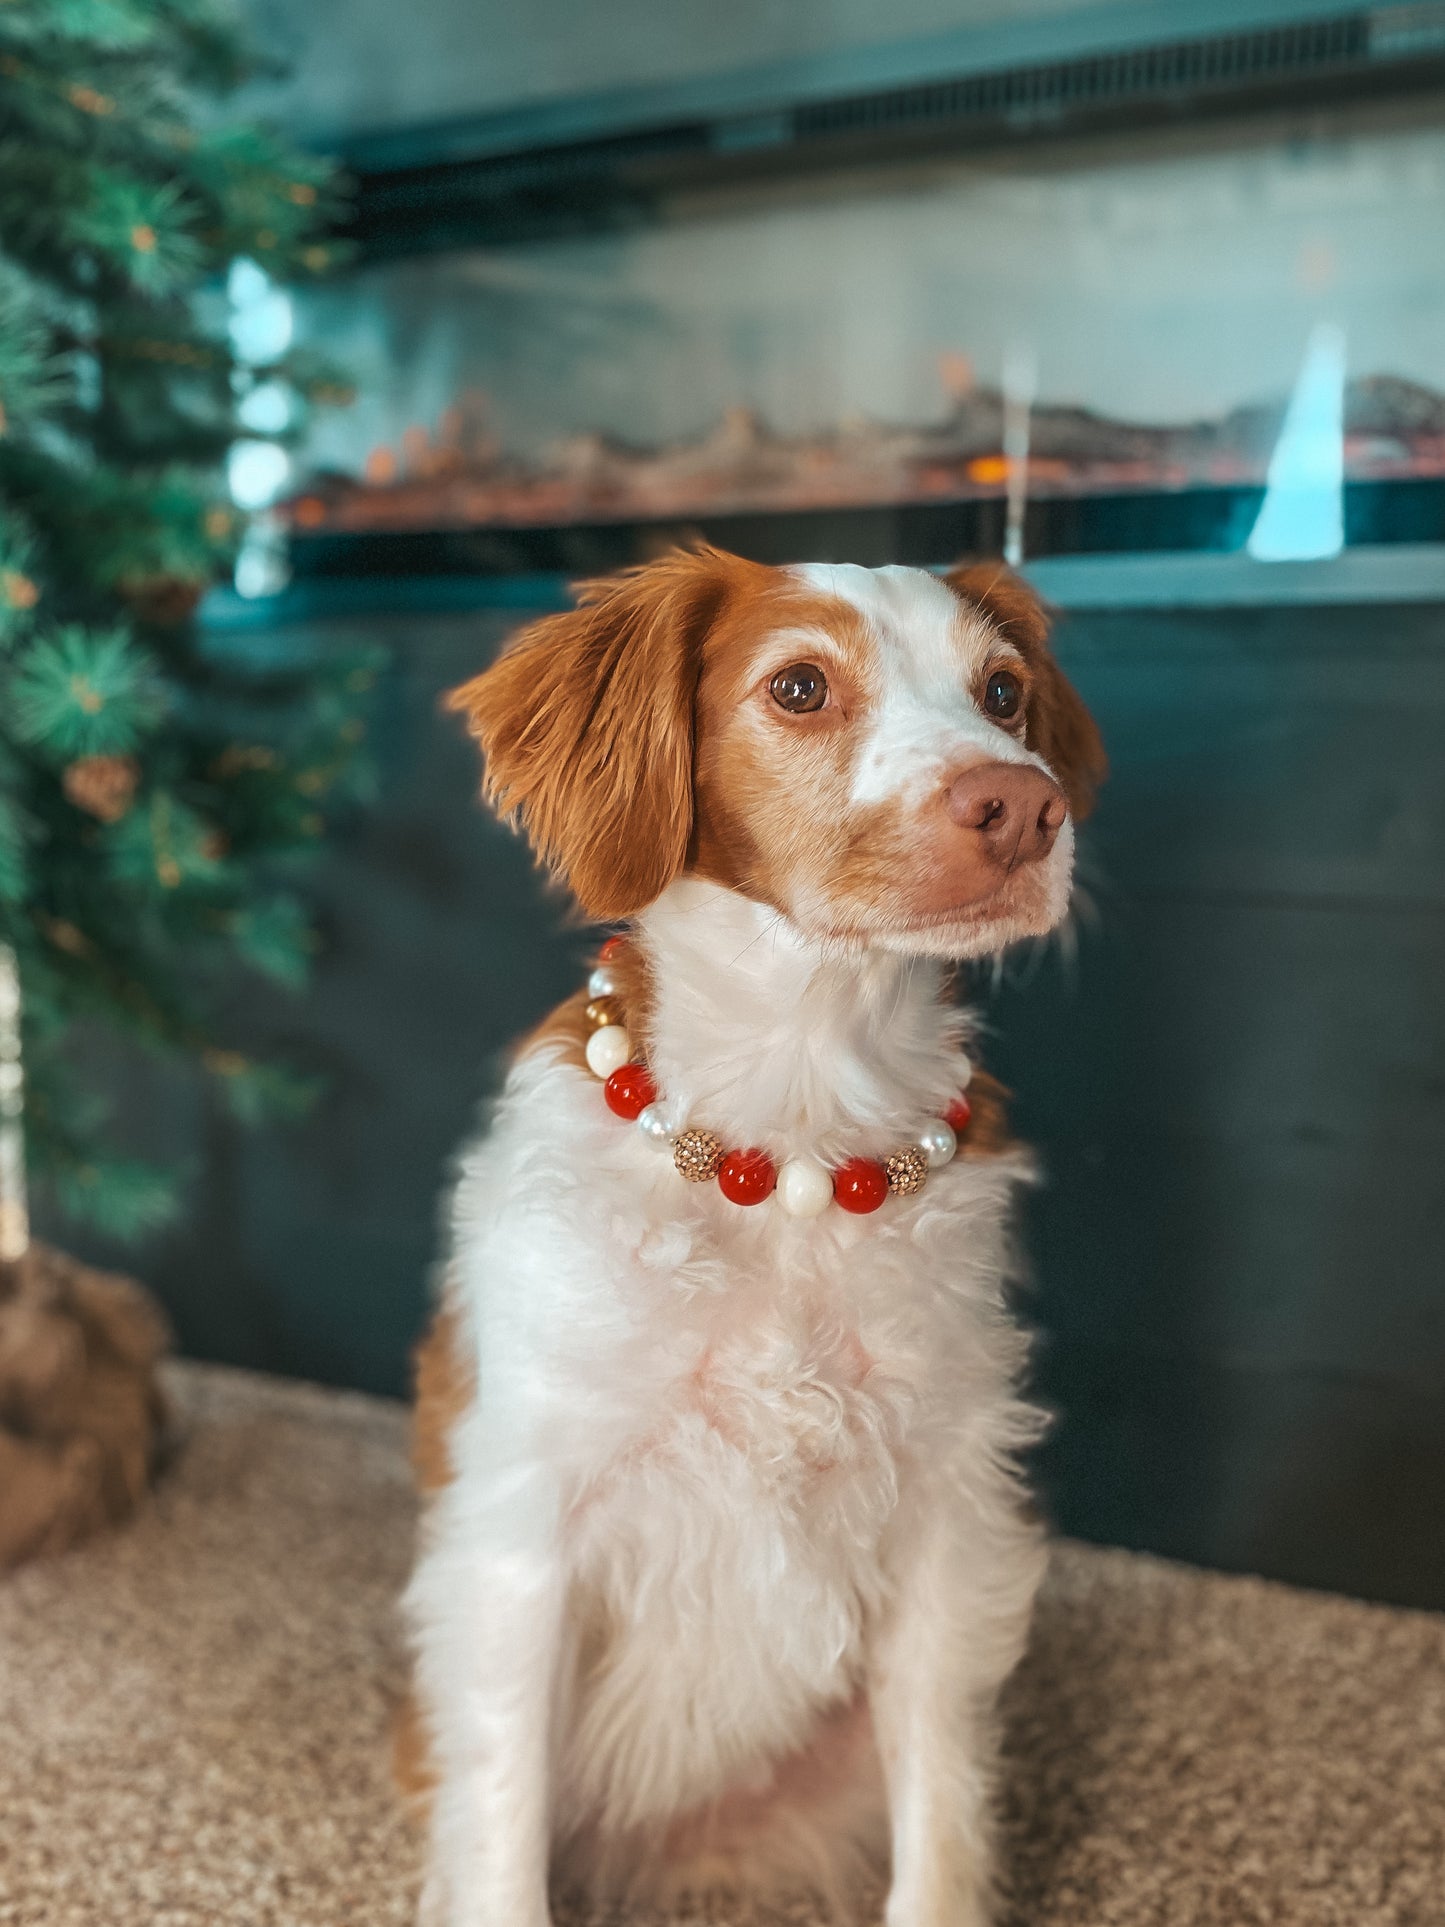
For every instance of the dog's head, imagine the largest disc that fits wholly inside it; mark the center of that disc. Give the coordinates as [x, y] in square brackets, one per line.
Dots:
[883, 756]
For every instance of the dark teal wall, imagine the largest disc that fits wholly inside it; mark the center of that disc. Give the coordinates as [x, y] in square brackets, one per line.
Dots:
[1241, 1095]
[1237, 1082]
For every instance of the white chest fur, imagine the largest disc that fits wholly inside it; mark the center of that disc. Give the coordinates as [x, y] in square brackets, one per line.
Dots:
[702, 1432]
[726, 1404]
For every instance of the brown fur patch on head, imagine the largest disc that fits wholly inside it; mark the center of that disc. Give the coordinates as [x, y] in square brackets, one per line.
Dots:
[775, 813]
[770, 805]
[1060, 728]
[586, 723]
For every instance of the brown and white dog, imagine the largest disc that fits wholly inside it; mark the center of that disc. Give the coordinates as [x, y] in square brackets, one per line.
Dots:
[725, 1552]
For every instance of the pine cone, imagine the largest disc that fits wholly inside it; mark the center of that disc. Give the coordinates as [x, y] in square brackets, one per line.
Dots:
[104, 786]
[165, 600]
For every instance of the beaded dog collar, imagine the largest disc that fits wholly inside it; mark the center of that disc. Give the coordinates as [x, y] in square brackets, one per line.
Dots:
[803, 1186]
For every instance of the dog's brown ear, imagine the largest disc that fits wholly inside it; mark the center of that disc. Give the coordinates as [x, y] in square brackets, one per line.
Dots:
[1060, 728]
[586, 724]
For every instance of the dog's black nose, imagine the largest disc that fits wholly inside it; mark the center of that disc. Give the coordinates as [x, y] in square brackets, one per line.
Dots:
[1015, 811]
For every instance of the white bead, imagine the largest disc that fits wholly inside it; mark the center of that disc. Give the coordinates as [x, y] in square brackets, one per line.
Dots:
[602, 982]
[805, 1187]
[965, 1073]
[608, 1050]
[938, 1143]
[654, 1126]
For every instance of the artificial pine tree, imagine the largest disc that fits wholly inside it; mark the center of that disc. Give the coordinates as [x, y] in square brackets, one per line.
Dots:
[156, 795]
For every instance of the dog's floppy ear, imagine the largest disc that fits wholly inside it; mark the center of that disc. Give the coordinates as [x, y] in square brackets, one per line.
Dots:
[586, 724]
[1060, 728]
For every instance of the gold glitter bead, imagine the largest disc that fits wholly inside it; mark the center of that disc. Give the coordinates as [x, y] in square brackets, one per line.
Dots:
[697, 1154]
[603, 1011]
[907, 1171]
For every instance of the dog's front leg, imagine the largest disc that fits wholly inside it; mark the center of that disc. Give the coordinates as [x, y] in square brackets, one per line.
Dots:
[952, 1632]
[486, 1606]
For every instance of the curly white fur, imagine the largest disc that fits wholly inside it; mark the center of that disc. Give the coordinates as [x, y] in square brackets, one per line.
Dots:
[736, 1559]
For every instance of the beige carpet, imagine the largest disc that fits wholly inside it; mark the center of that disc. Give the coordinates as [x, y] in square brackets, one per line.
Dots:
[192, 1715]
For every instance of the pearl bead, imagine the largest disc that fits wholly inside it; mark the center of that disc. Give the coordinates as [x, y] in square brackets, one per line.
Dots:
[602, 982]
[608, 1050]
[653, 1125]
[938, 1143]
[805, 1187]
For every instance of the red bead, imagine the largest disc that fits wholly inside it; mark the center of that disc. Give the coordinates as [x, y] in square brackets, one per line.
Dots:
[747, 1177]
[612, 948]
[957, 1115]
[860, 1185]
[630, 1090]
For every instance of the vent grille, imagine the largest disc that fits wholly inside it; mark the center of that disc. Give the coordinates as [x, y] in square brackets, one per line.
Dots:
[1058, 89]
[424, 201]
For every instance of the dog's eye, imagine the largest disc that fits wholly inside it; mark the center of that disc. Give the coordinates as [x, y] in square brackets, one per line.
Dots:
[1003, 694]
[799, 688]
